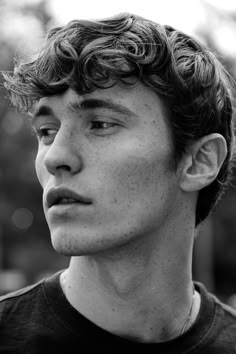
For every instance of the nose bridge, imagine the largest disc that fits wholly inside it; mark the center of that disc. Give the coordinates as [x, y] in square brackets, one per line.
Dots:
[63, 153]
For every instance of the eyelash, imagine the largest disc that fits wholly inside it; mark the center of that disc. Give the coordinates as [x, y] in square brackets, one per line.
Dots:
[44, 132]
[100, 122]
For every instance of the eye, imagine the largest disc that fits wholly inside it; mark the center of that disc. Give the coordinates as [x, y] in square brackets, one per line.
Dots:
[101, 127]
[46, 134]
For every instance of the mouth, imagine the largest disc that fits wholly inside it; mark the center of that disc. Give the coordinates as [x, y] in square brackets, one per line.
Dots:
[63, 196]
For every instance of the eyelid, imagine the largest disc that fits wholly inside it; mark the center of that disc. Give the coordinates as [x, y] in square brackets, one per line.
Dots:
[44, 119]
[106, 118]
[43, 123]
[45, 132]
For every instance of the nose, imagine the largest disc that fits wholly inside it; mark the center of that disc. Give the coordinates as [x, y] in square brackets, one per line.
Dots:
[63, 155]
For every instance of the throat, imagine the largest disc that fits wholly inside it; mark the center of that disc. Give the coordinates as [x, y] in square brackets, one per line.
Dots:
[148, 314]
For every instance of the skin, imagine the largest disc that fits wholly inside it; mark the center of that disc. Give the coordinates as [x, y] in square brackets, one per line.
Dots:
[131, 248]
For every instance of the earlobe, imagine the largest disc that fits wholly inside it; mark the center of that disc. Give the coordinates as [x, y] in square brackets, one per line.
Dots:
[202, 162]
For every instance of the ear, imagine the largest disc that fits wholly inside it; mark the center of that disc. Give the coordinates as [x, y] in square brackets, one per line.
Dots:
[201, 164]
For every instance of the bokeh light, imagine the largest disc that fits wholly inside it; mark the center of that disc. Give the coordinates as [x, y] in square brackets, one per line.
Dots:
[22, 218]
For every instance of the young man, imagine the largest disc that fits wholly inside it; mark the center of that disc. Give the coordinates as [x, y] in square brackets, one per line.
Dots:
[135, 133]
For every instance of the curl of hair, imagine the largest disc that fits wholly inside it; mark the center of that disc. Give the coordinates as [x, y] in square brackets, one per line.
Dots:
[86, 55]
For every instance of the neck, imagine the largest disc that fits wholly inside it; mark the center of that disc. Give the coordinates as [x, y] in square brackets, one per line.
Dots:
[141, 292]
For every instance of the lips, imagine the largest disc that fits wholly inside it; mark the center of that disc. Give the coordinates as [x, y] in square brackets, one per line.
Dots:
[62, 196]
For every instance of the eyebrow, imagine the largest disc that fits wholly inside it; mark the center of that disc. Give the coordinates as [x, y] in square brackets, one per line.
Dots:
[93, 103]
[87, 104]
[43, 110]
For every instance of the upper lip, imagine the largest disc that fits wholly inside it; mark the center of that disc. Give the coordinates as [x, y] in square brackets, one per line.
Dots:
[54, 196]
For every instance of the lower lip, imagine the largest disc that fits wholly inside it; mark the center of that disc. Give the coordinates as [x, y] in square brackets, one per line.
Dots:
[63, 208]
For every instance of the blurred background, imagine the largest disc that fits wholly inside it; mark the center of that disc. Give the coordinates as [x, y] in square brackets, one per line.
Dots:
[26, 254]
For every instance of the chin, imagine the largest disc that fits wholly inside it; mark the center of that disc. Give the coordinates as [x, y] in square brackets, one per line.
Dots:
[78, 244]
[69, 245]
[86, 242]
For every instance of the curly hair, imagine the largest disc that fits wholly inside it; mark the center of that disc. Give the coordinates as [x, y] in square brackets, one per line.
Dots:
[86, 55]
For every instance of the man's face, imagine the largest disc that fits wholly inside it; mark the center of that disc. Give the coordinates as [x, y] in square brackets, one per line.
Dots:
[105, 162]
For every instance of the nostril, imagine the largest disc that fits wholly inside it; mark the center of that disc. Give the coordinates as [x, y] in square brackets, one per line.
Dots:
[56, 162]
[63, 167]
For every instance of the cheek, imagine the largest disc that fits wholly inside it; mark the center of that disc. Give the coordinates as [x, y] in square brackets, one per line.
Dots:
[40, 168]
[139, 177]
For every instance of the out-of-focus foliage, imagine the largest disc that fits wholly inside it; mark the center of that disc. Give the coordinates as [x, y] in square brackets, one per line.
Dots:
[220, 34]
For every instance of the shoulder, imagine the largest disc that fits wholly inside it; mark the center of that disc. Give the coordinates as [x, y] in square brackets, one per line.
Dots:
[227, 315]
[221, 329]
[28, 302]
[225, 321]
[19, 299]
[31, 296]
[19, 293]
[24, 316]
[224, 308]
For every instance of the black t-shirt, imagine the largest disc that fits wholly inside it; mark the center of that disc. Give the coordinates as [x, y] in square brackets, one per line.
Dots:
[40, 320]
